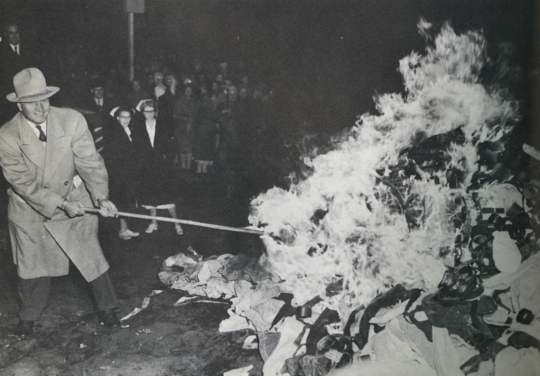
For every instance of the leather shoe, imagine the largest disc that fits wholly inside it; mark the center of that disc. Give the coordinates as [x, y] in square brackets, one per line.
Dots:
[24, 328]
[124, 236]
[108, 318]
[132, 233]
[151, 228]
[128, 234]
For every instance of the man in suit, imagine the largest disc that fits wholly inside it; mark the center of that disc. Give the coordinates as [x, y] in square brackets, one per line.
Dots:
[49, 159]
[14, 57]
[97, 114]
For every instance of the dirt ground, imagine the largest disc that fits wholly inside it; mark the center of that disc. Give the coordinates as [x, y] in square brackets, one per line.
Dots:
[162, 339]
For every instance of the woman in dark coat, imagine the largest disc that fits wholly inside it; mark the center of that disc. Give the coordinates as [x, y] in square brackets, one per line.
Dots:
[122, 166]
[155, 145]
[205, 149]
[185, 119]
[167, 101]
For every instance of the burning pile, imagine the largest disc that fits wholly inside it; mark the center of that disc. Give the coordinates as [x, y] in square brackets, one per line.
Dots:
[372, 214]
[416, 221]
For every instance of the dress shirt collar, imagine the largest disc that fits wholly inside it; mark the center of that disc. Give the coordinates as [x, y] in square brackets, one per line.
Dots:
[42, 125]
[151, 129]
[127, 130]
[36, 131]
[16, 48]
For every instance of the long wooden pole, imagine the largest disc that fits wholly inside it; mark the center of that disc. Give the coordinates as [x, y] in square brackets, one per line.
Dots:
[183, 221]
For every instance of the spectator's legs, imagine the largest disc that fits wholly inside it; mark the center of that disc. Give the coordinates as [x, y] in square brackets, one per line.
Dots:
[123, 225]
[186, 161]
[172, 212]
[183, 160]
[153, 225]
[125, 232]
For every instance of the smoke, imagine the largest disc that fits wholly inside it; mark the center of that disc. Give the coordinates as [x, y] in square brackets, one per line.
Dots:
[380, 209]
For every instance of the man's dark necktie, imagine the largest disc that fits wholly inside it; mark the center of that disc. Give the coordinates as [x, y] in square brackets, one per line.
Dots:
[42, 136]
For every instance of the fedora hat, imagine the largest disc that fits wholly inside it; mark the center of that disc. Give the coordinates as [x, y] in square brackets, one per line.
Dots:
[96, 82]
[30, 86]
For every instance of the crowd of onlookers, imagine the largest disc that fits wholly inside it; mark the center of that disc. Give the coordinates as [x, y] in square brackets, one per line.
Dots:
[165, 125]
[166, 122]
[219, 122]
[175, 119]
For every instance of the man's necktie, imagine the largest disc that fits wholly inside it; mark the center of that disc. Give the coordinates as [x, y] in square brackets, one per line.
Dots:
[42, 136]
[98, 139]
[17, 50]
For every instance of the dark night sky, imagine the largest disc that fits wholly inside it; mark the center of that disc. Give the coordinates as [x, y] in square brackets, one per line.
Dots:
[330, 56]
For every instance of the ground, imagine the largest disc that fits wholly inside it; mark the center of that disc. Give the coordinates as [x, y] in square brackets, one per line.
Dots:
[161, 340]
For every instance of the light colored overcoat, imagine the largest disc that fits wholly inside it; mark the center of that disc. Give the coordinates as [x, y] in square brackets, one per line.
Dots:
[43, 237]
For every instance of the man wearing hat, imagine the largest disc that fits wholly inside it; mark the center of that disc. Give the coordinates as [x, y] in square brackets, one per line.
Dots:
[49, 159]
[97, 113]
[99, 101]
[14, 57]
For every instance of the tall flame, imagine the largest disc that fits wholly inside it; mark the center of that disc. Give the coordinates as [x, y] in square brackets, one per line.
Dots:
[349, 221]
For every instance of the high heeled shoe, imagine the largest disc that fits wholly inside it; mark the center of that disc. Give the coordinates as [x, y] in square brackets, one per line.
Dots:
[127, 234]
[151, 228]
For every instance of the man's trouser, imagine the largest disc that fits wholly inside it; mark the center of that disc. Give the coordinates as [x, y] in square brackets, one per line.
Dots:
[35, 291]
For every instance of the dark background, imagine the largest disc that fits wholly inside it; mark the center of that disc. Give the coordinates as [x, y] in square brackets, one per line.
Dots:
[324, 60]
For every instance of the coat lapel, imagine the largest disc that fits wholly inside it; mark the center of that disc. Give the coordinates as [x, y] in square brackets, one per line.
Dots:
[30, 144]
[57, 146]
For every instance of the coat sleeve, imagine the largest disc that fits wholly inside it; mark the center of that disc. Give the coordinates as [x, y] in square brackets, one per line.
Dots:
[165, 140]
[43, 200]
[139, 141]
[88, 161]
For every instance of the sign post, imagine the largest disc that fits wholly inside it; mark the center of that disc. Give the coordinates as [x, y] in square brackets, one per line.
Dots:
[132, 7]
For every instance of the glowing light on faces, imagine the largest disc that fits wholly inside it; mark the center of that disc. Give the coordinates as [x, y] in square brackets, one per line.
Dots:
[12, 34]
[158, 78]
[36, 112]
[149, 112]
[98, 92]
[170, 81]
[124, 118]
[362, 238]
